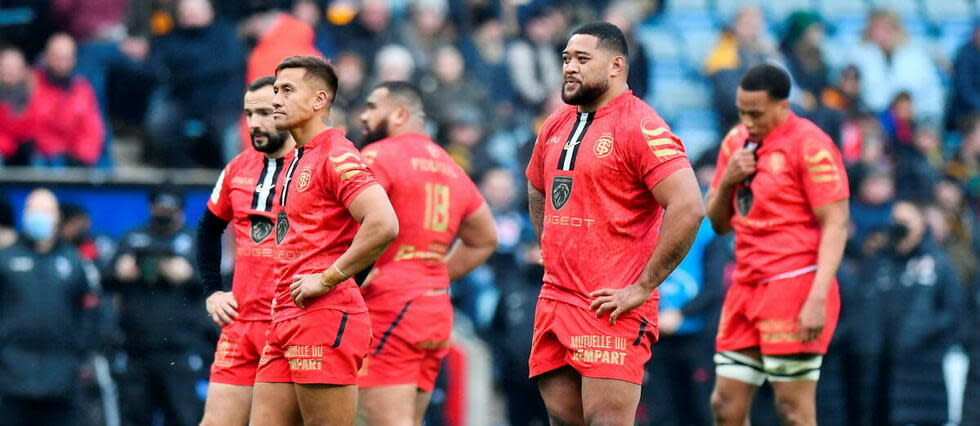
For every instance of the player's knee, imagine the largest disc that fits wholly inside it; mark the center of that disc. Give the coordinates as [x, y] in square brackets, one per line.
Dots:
[793, 411]
[724, 407]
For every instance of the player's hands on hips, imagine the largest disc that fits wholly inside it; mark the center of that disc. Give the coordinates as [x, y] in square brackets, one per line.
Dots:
[740, 166]
[305, 287]
[222, 307]
[618, 301]
[812, 318]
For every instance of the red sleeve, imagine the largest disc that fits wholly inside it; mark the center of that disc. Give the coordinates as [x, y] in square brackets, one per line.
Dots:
[822, 170]
[220, 201]
[347, 175]
[377, 162]
[654, 152]
[91, 133]
[731, 142]
[535, 169]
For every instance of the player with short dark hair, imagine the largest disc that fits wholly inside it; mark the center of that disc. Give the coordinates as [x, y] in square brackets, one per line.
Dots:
[243, 197]
[407, 291]
[616, 205]
[333, 221]
[780, 185]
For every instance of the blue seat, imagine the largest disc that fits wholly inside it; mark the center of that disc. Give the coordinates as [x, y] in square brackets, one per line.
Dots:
[941, 11]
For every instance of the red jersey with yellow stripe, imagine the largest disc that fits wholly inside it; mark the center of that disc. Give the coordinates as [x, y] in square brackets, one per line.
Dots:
[798, 169]
[601, 222]
[244, 196]
[314, 226]
[432, 195]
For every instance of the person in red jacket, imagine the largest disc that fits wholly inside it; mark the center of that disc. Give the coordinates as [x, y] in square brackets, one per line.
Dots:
[15, 125]
[67, 128]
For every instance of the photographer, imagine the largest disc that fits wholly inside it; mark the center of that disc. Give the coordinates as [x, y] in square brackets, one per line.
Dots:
[907, 316]
[164, 333]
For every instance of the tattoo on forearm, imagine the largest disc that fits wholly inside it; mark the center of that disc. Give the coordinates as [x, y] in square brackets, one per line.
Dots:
[535, 206]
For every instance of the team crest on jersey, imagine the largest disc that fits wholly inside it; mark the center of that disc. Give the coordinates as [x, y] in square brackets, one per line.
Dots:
[603, 146]
[561, 191]
[261, 227]
[303, 182]
[282, 227]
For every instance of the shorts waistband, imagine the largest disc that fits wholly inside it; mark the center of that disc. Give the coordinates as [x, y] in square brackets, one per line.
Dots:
[790, 274]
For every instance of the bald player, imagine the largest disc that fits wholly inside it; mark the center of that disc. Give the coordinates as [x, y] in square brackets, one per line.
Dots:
[407, 292]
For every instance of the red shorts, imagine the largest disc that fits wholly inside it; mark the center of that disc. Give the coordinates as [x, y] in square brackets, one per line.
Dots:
[766, 316]
[566, 334]
[324, 346]
[411, 341]
[237, 356]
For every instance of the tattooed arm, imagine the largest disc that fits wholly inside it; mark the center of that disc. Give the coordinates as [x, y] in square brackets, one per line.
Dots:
[535, 207]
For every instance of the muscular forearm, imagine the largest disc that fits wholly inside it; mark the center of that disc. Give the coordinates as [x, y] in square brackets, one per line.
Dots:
[833, 236]
[535, 207]
[677, 233]
[720, 208]
[376, 232]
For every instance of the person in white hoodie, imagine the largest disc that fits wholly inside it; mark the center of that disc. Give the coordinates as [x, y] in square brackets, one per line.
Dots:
[890, 64]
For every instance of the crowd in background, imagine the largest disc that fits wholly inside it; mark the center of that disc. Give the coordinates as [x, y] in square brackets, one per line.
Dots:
[81, 80]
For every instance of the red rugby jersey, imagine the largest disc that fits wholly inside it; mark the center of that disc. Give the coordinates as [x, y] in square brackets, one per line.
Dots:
[596, 170]
[431, 195]
[314, 228]
[244, 196]
[798, 170]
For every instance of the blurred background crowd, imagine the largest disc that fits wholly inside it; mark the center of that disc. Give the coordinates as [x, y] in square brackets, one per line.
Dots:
[114, 85]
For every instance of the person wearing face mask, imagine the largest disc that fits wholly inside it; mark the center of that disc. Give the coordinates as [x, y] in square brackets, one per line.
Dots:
[164, 332]
[910, 311]
[48, 296]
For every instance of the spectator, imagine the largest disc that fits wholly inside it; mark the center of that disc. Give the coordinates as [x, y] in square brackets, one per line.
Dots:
[47, 296]
[15, 124]
[310, 13]
[971, 412]
[200, 69]
[533, 61]
[160, 314]
[871, 209]
[626, 15]
[7, 233]
[961, 230]
[351, 75]
[741, 46]
[965, 85]
[88, 20]
[681, 379]
[427, 30]
[449, 87]
[801, 46]
[911, 310]
[368, 32]
[965, 165]
[484, 52]
[464, 136]
[890, 64]
[278, 35]
[66, 124]
[75, 230]
[394, 63]
[517, 274]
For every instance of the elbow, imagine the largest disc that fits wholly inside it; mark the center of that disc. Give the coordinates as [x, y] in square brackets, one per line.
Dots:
[388, 231]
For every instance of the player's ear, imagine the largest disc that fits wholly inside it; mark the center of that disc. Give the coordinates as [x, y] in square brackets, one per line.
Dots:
[617, 66]
[322, 100]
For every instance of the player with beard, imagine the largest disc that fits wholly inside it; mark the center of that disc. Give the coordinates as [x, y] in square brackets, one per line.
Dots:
[621, 211]
[407, 291]
[335, 220]
[243, 196]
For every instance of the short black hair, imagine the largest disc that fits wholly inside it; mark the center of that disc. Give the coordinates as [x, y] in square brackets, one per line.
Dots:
[773, 79]
[315, 67]
[408, 92]
[610, 36]
[269, 80]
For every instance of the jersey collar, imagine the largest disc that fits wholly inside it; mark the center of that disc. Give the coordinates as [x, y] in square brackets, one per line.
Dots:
[323, 138]
[614, 104]
[778, 135]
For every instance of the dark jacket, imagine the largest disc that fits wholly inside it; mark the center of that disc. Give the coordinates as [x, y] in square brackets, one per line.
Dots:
[47, 319]
[202, 69]
[971, 411]
[156, 315]
[964, 98]
[910, 309]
